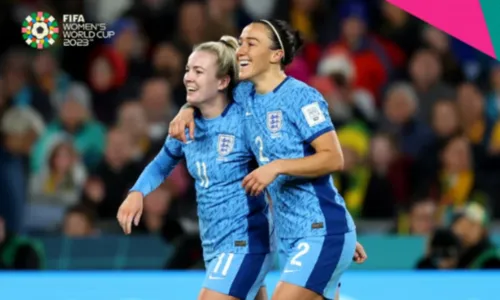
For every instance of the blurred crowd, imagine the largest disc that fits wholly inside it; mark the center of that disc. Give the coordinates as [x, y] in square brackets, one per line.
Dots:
[416, 112]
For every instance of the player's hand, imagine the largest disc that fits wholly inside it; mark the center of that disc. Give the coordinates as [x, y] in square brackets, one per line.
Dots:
[255, 182]
[130, 211]
[360, 254]
[183, 119]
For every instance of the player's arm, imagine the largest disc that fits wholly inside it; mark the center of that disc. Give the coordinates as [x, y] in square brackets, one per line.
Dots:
[184, 119]
[159, 168]
[327, 158]
[151, 177]
[316, 129]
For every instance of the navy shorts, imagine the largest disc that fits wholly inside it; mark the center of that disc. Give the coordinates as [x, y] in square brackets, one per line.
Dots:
[316, 263]
[238, 275]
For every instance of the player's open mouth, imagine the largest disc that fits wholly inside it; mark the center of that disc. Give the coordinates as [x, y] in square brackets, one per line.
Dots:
[244, 63]
[191, 89]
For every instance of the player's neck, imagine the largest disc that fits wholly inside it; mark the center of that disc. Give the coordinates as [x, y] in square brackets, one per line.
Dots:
[268, 82]
[213, 108]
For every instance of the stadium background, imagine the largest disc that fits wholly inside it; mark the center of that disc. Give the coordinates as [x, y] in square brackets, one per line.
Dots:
[416, 112]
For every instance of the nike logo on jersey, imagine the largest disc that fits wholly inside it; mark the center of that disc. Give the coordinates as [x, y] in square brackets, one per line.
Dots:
[289, 271]
[248, 114]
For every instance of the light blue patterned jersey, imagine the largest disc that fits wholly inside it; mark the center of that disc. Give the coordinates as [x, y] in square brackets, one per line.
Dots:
[218, 159]
[281, 125]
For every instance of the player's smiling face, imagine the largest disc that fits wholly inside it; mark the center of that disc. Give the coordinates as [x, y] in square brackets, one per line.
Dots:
[254, 54]
[200, 78]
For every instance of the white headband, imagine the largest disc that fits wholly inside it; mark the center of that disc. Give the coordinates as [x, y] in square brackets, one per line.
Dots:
[277, 36]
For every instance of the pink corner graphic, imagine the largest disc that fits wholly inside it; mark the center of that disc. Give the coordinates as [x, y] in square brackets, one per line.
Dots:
[462, 19]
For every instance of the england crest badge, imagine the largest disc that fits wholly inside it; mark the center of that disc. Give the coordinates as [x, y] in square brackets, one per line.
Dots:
[274, 122]
[225, 145]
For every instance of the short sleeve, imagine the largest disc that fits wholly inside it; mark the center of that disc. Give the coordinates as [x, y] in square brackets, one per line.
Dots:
[310, 114]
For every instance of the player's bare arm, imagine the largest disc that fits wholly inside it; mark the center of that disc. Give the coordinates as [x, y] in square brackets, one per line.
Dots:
[327, 159]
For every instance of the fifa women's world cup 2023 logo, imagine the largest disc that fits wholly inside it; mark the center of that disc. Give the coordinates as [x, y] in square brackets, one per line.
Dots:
[40, 30]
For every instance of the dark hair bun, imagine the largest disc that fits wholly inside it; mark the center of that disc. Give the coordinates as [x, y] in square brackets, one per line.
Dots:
[291, 39]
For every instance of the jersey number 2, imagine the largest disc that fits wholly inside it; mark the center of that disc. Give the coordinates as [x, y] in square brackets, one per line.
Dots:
[201, 167]
[260, 144]
[303, 249]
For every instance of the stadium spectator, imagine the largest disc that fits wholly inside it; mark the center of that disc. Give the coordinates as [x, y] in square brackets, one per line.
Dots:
[61, 179]
[313, 19]
[75, 119]
[346, 102]
[133, 120]
[352, 182]
[372, 64]
[49, 78]
[18, 252]
[18, 89]
[79, 222]
[471, 227]
[457, 176]
[156, 99]
[222, 19]
[192, 25]
[19, 129]
[107, 76]
[388, 177]
[113, 177]
[168, 63]
[399, 27]
[421, 218]
[446, 124]
[401, 106]
[126, 46]
[478, 127]
[425, 71]
[440, 43]
[156, 19]
[443, 251]
[458, 181]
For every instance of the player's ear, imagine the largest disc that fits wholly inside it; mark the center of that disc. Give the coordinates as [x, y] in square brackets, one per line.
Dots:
[224, 82]
[276, 56]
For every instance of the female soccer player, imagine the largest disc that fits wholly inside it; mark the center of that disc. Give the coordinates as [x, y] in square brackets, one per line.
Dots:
[234, 227]
[291, 134]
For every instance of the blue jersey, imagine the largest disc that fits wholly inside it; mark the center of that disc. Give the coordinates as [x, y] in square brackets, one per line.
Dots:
[218, 159]
[281, 125]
